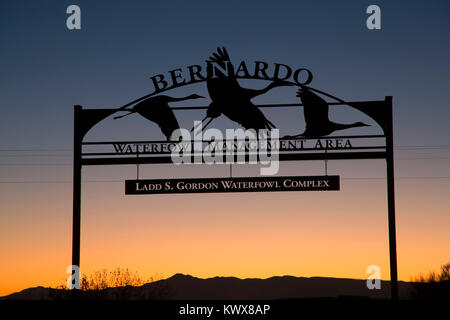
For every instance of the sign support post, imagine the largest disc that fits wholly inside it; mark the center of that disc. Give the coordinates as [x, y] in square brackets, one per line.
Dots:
[391, 199]
[76, 226]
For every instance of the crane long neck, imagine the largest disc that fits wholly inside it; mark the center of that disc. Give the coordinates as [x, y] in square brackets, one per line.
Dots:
[173, 99]
[256, 92]
[342, 126]
[268, 88]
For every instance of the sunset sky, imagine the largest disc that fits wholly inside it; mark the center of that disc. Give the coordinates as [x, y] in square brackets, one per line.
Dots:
[46, 69]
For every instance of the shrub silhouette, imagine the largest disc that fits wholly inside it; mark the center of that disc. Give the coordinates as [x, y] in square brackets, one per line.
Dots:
[119, 284]
[433, 286]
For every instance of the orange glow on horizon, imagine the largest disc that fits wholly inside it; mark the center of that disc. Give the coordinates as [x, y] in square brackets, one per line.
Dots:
[270, 234]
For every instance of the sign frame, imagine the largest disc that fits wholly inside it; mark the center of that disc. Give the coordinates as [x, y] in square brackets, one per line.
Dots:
[380, 111]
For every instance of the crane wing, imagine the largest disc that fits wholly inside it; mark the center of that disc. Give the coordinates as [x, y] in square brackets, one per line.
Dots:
[224, 86]
[221, 56]
[315, 109]
[248, 115]
[162, 115]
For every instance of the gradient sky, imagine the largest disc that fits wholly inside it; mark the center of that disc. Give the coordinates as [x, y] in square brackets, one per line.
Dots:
[46, 69]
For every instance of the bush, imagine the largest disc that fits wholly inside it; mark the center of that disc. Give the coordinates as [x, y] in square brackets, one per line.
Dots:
[120, 284]
[433, 286]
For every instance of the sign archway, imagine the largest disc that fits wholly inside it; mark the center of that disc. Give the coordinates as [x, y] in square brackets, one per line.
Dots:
[232, 100]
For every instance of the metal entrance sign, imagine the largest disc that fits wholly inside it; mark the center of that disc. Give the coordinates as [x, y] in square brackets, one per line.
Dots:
[258, 144]
[226, 185]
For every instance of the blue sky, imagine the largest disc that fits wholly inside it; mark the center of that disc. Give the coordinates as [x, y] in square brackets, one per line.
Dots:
[47, 68]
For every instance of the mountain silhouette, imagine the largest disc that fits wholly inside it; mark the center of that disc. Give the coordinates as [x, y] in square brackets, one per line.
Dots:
[186, 287]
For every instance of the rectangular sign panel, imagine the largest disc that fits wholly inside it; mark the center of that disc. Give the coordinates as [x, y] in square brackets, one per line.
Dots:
[238, 184]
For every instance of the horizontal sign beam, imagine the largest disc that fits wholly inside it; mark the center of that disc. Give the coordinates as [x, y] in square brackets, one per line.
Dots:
[166, 151]
[282, 157]
[230, 145]
[225, 185]
[272, 105]
[281, 139]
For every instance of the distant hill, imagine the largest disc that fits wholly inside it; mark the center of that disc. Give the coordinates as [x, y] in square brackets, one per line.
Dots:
[186, 287]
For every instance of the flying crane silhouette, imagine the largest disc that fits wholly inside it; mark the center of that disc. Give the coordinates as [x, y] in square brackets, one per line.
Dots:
[316, 116]
[232, 100]
[157, 110]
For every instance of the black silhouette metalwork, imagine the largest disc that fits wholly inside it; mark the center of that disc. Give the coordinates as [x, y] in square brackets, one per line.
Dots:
[370, 108]
[157, 110]
[232, 100]
[316, 116]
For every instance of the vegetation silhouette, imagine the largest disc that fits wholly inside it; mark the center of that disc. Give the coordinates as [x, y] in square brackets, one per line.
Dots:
[119, 284]
[433, 286]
